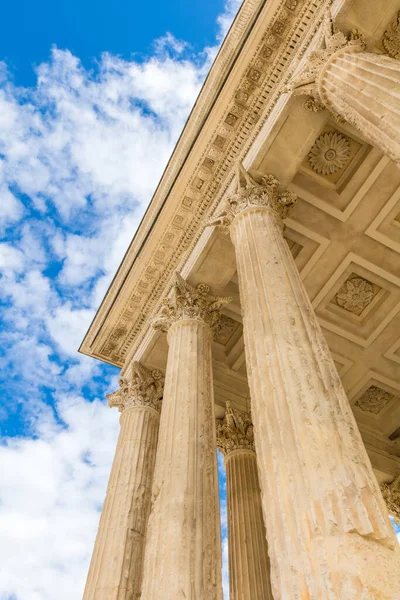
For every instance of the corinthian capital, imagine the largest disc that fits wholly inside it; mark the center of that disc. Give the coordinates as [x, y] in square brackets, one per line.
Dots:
[333, 40]
[188, 302]
[391, 494]
[142, 388]
[234, 431]
[250, 193]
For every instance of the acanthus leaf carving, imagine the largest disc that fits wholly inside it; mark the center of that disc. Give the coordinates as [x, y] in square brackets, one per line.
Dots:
[391, 495]
[188, 302]
[144, 387]
[234, 431]
[391, 38]
[250, 193]
[306, 82]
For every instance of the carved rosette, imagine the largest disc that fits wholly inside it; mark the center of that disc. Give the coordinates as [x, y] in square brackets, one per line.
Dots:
[330, 153]
[355, 295]
[249, 193]
[391, 494]
[374, 400]
[143, 388]
[307, 81]
[194, 303]
[234, 431]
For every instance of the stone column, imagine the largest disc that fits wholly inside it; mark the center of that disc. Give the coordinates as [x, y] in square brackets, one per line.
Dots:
[249, 569]
[183, 550]
[358, 87]
[328, 531]
[116, 567]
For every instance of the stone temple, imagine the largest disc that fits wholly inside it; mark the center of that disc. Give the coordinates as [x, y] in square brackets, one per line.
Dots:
[257, 310]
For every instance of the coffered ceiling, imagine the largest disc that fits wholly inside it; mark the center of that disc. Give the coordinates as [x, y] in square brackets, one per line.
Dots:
[344, 234]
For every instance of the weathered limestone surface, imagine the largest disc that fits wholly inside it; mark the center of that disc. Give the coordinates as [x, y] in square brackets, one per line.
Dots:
[249, 569]
[327, 524]
[357, 86]
[116, 566]
[183, 551]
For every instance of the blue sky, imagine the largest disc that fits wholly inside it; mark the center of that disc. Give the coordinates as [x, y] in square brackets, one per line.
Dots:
[92, 99]
[29, 29]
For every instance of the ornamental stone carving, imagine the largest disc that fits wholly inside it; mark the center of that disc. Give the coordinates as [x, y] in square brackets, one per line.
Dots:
[374, 400]
[330, 153]
[391, 494]
[391, 38]
[143, 388]
[307, 81]
[234, 431]
[188, 302]
[227, 327]
[355, 295]
[249, 193]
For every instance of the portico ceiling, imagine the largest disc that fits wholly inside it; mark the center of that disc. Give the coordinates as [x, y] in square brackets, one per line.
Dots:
[345, 237]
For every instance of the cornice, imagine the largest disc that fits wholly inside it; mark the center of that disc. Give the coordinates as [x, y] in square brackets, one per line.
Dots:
[258, 56]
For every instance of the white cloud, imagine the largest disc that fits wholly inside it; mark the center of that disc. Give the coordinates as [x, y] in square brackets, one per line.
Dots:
[65, 325]
[88, 152]
[10, 208]
[51, 489]
[11, 259]
[80, 157]
[225, 572]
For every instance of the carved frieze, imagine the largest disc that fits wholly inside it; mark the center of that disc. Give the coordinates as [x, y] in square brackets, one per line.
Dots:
[330, 153]
[374, 400]
[188, 302]
[234, 431]
[391, 38]
[143, 388]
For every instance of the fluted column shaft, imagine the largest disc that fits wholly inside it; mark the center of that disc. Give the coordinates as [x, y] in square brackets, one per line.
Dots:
[364, 89]
[116, 567]
[249, 569]
[183, 552]
[328, 532]
[359, 87]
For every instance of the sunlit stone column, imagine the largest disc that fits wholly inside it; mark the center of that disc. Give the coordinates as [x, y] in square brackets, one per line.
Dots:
[183, 551]
[249, 569]
[328, 531]
[116, 567]
[359, 87]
